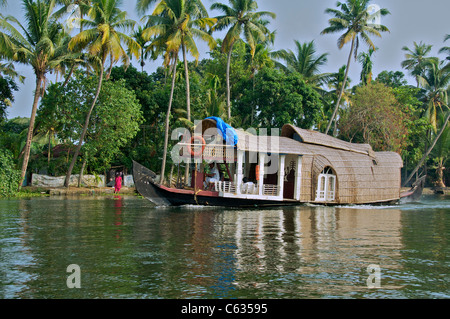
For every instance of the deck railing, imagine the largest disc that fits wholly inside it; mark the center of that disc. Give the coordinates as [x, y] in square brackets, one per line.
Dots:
[270, 190]
[252, 189]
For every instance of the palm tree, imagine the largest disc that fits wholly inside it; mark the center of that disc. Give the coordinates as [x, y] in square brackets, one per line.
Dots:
[416, 59]
[143, 5]
[41, 43]
[440, 154]
[9, 70]
[144, 54]
[356, 22]
[335, 83]
[305, 61]
[446, 50]
[436, 80]
[240, 17]
[76, 9]
[192, 20]
[176, 24]
[102, 40]
[367, 65]
[427, 153]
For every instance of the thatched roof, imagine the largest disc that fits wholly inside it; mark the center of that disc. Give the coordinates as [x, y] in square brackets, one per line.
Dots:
[317, 138]
[271, 144]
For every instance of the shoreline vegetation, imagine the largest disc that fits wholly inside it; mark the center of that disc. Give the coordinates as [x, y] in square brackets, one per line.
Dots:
[101, 112]
[32, 191]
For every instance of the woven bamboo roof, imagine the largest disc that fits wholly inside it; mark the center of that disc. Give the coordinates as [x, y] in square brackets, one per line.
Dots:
[271, 144]
[317, 138]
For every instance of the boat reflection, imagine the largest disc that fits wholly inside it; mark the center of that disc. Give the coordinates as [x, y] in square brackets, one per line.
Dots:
[330, 246]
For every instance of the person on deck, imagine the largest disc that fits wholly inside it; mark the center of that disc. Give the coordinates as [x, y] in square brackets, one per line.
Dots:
[118, 183]
[213, 176]
[247, 186]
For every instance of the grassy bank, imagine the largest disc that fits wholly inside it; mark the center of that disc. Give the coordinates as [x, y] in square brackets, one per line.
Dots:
[32, 191]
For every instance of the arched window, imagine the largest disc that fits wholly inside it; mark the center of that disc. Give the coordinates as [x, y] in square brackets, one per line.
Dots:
[326, 186]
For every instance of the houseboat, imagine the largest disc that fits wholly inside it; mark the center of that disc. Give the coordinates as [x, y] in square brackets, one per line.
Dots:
[288, 167]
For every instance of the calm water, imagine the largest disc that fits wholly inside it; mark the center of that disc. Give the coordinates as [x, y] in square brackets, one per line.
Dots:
[126, 248]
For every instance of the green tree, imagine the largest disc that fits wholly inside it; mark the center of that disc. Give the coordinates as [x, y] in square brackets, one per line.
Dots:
[152, 94]
[13, 135]
[114, 122]
[9, 176]
[446, 49]
[441, 154]
[374, 117]
[392, 79]
[240, 70]
[280, 98]
[7, 86]
[335, 84]
[143, 43]
[430, 149]
[75, 9]
[102, 39]
[240, 18]
[367, 66]
[42, 44]
[416, 59]
[354, 20]
[8, 70]
[409, 101]
[163, 33]
[435, 80]
[191, 21]
[305, 61]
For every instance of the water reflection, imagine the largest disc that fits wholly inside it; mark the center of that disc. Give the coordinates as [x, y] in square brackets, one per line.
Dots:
[126, 248]
[330, 246]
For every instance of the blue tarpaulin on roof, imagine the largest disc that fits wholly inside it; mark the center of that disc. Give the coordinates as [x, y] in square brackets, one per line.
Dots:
[228, 133]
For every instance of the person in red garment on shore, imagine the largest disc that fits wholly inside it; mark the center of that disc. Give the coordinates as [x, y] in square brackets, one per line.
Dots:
[118, 183]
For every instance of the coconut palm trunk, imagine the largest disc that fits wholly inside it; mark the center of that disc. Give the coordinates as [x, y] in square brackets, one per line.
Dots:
[86, 125]
[188, 101]
[26, 157]
[188, 89]
[169, 108]
[228, 81]
[336, 108]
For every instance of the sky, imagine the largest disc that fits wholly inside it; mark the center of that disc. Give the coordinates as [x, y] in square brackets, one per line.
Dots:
[303, 20]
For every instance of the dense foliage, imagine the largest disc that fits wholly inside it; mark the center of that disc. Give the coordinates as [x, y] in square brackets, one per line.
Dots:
[242, 79]
[114, 121]
[9, 176]
[7, 88]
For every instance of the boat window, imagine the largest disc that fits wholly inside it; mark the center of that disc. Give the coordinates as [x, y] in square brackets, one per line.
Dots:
[326, 186]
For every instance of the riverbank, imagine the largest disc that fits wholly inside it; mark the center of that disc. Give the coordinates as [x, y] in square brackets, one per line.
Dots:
[432, 191]
[74, 191]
